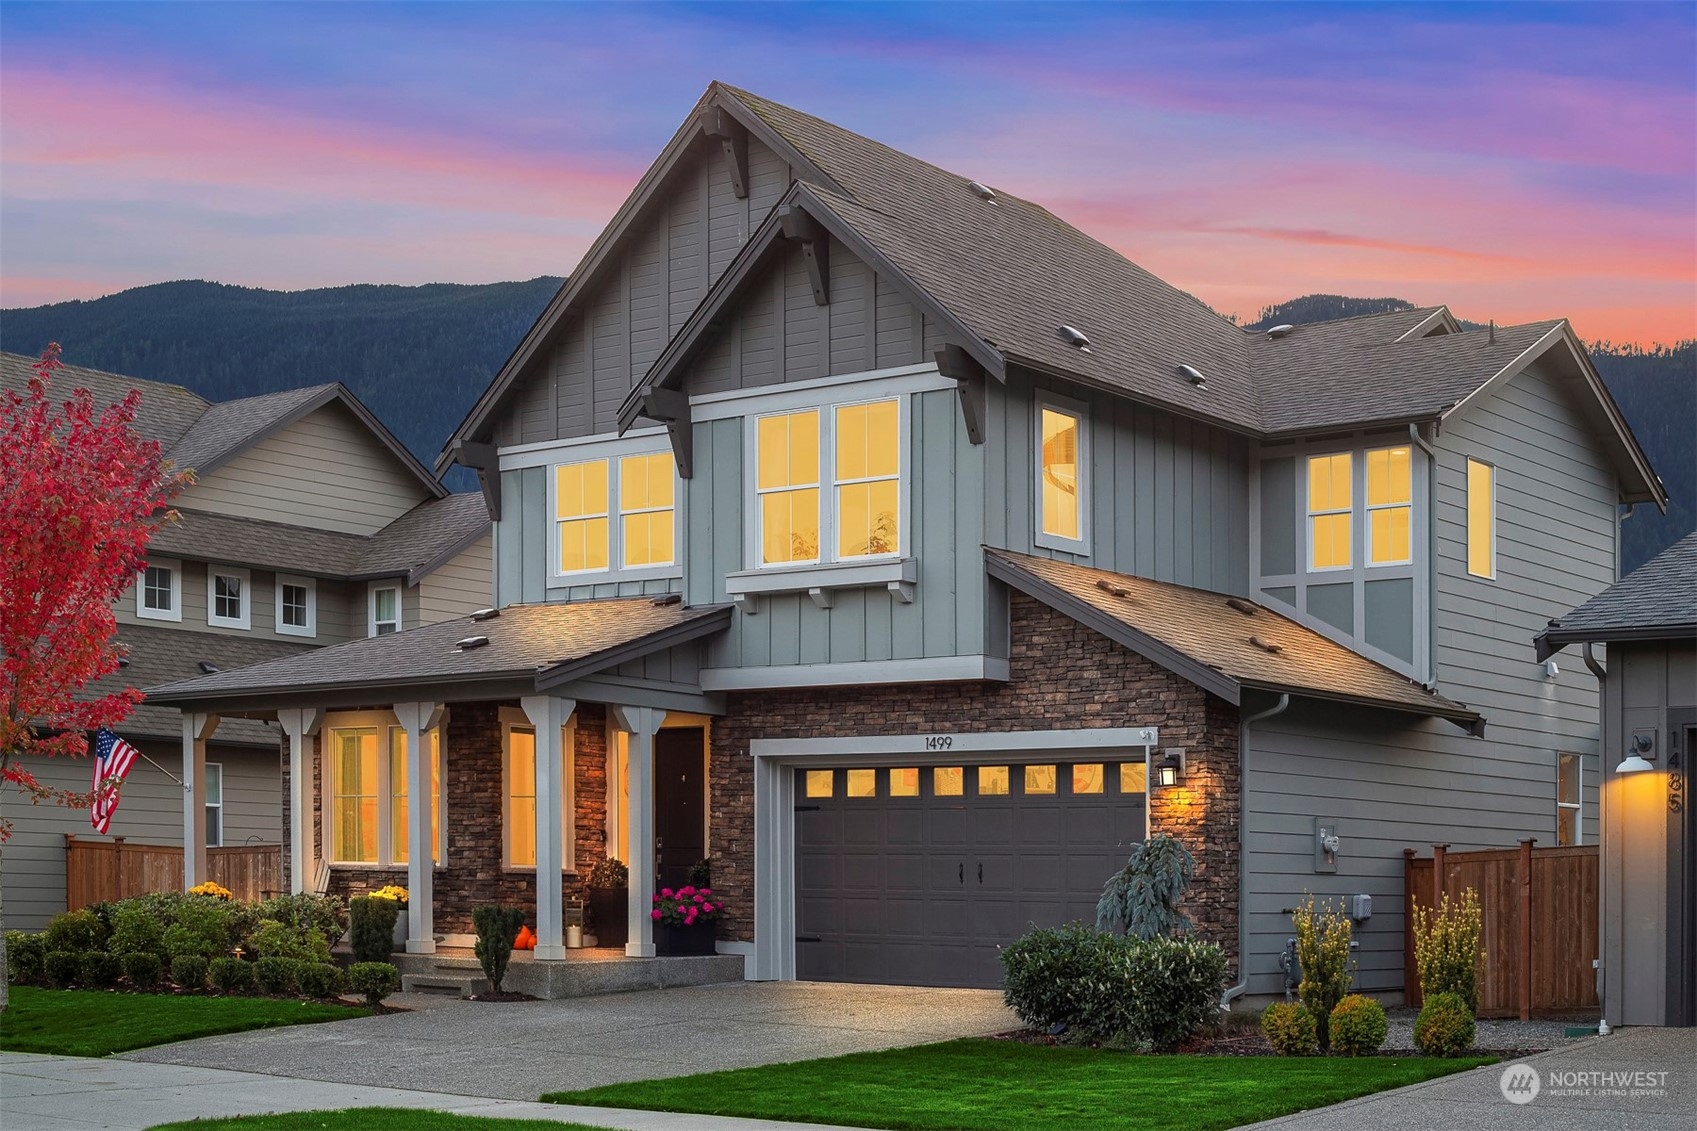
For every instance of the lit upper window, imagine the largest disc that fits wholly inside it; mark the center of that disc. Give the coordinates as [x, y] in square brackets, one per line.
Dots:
[580, 511]
[787, 482]
[868, 443]
[1481, 519]
[1330, 521]
[647, 526]
[863, 444]
[615, 513]
[1390, 506]
[1061, 514]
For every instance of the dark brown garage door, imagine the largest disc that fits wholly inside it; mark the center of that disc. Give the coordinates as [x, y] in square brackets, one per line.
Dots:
[916, 875]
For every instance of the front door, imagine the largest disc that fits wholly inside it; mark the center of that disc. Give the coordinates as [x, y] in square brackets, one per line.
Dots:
[680, 786]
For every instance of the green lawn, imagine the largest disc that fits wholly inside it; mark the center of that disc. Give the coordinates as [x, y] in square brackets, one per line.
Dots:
[97, 1023]
[981, 1085]
[370, 1119]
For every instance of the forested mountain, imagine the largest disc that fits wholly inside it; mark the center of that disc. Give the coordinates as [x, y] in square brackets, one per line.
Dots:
[419, 356]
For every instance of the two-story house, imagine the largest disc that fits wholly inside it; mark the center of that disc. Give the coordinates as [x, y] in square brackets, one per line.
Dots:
[911, 553]
[308, 524]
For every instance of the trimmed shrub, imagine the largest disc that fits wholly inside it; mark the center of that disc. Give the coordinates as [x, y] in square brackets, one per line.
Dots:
[1143, 993]
[496, 928]
[26, 957]
[142, 968]
[1322, 948]
[372, 928]
[1290, 1029]
[1357, 1026]
[306, 911]
[76, 931]
[1445, 1026]
[189, 971]
[204, 926]
[272, 939]
[231, 975]
[276, 975]
[62, 967]
[376, 980]
[1446, 948]
[100, 970]
[318, 979]
[135, 928]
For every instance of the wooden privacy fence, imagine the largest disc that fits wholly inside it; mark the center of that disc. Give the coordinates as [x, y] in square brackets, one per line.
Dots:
[1539, 930]
[97, 870]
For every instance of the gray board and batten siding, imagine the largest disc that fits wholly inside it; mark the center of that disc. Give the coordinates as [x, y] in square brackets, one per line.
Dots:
[1389, 786]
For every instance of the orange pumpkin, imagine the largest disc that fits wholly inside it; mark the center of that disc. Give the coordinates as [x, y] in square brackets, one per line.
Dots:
[526, 939]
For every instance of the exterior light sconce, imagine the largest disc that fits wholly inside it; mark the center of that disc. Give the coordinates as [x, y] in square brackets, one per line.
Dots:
[1170, 768]
[1641, 752]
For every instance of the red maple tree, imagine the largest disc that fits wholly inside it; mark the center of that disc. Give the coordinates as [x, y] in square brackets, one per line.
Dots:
[80, 493]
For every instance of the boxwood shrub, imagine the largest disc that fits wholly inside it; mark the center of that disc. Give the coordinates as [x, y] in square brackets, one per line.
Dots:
[1141, 993]
[100, 969]
[1357, 1026]
[76, 930]
[319, 979]
[189, 971]
[142, 969]
[231, 975]
[276, 975]
[26, 957]
[372, 934]
[62, 967]
[376, 980]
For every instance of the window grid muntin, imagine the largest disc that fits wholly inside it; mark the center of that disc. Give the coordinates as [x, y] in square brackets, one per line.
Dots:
[790, 487]
[649, 460]
[870, 478]
[1329, 512]
[158, 586]
[589, 515]
[1570, 799]
[1390, 506]
[352, 809]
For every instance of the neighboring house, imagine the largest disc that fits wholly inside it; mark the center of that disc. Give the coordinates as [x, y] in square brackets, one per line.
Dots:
[308, 524]
[876, 532]
[1649, 845]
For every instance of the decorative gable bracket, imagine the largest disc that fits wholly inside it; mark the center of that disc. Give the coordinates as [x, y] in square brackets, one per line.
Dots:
[671, 408]
[481, 458]
[970, 381]
[733, 137]
[815, 241]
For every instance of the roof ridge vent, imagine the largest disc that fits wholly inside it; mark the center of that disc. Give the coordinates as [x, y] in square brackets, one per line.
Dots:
[486, 614]
[471, 642]
[208, 667]
[1283, 329]
[1073, 336]
[983, 191]
[1107, 586]
[1242, 606]
[1270, 649]
[1194, 376]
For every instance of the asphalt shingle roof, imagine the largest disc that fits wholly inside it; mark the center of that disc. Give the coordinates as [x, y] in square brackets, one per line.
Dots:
[165, 414]
[1215, 635]
[228, 425]
[164, 655]
[422, 536]
[526, 642]
[1658, 599]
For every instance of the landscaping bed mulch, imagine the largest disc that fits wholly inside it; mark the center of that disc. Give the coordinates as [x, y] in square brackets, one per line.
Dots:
[1250, 1042]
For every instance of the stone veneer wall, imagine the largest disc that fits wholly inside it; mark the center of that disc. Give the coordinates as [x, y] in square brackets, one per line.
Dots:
[475, 874]
[1063, 676]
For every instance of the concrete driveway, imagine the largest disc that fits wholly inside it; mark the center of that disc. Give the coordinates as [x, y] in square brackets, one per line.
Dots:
[523, 1049]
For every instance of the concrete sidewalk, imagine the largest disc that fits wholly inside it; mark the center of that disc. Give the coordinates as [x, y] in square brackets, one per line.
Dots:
[1474, 1101]
[65, 1093]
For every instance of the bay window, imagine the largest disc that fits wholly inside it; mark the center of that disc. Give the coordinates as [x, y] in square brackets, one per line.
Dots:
[366, 792]
[861, 444]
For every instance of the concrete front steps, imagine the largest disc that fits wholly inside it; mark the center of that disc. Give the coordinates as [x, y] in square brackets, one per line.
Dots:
[582, 973]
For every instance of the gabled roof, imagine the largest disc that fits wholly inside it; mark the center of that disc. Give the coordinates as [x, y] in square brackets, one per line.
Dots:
[412, 545]
[1656, 601]
[532, 647]
[163, 655]
[200, 435]
[1211, 638]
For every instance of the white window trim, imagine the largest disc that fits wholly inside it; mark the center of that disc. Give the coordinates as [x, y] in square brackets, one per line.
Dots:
[1368, 507]
[219, 805]
[382, 722]
[1467, 517]
[826, 484]
[513, 718]
[371, 606]
[175, 612]
[1357, 473]
[245, 621]
[650, 442]
[1571, 810]
[1081, 412]
[311, 587]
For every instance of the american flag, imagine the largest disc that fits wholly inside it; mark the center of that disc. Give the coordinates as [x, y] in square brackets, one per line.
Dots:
[113, 758]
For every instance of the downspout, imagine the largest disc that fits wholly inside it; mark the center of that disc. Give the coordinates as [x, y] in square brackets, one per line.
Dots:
[1431, 555]
[1602, 975]
[1237, 991]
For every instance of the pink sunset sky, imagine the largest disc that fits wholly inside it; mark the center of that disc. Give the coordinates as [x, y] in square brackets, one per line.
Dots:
[1514, 161]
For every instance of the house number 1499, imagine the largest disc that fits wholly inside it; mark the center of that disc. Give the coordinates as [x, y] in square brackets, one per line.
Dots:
[939, 741]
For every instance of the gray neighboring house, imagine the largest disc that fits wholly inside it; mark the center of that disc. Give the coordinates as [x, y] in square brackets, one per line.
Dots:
[935, 552]
[309, 525]
[1649, 860]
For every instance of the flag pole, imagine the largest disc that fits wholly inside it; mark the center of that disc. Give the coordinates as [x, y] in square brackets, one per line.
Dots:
[163, 770]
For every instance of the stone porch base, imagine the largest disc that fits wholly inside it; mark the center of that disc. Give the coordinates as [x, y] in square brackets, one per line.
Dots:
[582, 973]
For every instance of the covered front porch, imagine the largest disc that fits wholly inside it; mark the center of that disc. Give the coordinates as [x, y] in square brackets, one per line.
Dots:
[465, 760]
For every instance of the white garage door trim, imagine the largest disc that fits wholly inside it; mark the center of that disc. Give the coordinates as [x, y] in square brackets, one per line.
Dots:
[774, 803]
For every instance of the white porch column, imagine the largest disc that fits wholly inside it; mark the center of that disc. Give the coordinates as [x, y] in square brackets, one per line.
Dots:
[641, 723]
[548, 715]
[418, 720]
[197, 728]
[300, 724]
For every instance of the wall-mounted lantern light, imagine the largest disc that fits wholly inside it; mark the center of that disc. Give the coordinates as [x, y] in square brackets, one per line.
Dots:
[1170, 768]
[1640, 750]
